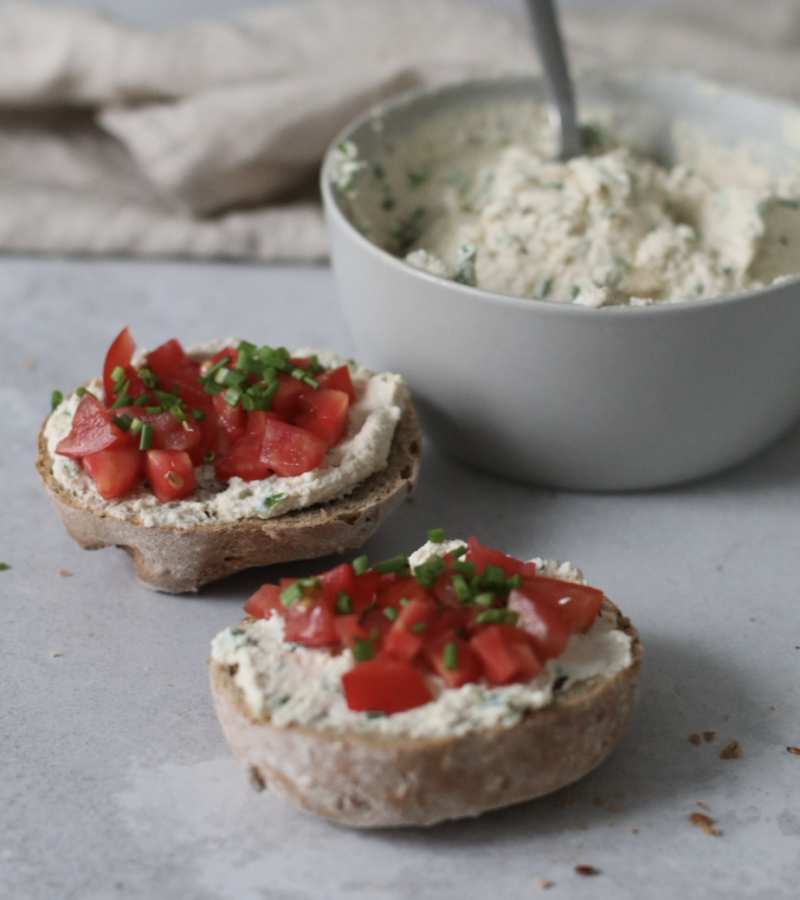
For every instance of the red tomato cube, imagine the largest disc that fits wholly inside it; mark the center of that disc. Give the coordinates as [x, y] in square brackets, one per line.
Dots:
[289, 450]
[115, 472]
[385, 685]
[323, 413]
[170, 474]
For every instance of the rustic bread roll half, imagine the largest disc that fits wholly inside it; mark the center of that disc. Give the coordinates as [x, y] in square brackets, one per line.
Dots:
[227, 526]
[470, 749]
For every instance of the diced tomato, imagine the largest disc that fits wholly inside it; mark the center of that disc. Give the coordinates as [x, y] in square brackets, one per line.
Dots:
[338, 380]
[285, 399]
[348, 628]
[170, 474]
[290, 450]
[364, 587]
[385, 685]
[443, 590]
[505, 654]
[483, 556]
[233, 418]
[577, 604]
[243, 460]
[92, 431]
[404, 588]
[339, 580]
[214, 440]
[300, 362]
[542, 622]
[311, 624]
[120, 353]
[265, 600]
[166, 359]
[115, 472]
[193, 396]
[324, 413]
[464, 663]
[407, 634]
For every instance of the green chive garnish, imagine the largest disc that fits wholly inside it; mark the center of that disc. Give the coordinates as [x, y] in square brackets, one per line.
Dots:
[178, 413]
[291, 594]
[141, 400]
[363, 649]
[461, 588]
[233, 396]
[360, 564]
[419, 626]
[146, 438]
[397, 564]
[118, 374]
[430, 570]
[198, 415]
[81, 391]
[136, 426]
[486, 598]
[4, 566]
[56, 398]
[515, 581]
[344, 603]
[391, 613]
[210, 373]
[465, 568]
[153, 410]
[450, 655]
[123, 422]
[436, 535]
[458, 553]
[122, 400]
[498, 617]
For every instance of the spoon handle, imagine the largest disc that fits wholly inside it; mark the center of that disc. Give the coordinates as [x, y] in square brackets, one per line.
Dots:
[558, 85]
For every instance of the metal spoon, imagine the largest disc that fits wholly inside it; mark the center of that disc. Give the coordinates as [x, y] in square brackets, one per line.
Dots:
[557, 81]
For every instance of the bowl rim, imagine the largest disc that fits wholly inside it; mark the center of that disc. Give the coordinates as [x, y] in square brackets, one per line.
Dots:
[333, 207]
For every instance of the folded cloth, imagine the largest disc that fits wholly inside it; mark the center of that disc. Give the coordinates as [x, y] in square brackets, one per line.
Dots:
[205, 140]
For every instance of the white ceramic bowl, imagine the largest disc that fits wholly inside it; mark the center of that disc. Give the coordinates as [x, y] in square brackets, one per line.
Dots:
[615, 398]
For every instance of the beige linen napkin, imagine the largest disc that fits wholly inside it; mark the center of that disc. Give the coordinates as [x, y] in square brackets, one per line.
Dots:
[205, 140]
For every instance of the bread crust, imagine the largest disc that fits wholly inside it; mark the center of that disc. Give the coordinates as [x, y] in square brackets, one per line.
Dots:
[368, 781]
[176, 560]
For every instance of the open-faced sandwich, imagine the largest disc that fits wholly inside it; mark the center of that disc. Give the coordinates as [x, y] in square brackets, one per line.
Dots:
[425, 688]
[204, 463]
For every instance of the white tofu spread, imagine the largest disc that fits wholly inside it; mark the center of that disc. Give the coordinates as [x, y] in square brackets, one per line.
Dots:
[479, 199]
[380, 401]
[291, 685]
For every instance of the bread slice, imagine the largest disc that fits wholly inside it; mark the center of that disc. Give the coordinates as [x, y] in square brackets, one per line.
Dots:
[178, 560]
[370, 781]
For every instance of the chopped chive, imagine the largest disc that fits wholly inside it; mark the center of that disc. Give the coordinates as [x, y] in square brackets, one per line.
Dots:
[247, 402]
[430, 570]
[363, 649]
[515, 581]
[461, 588]
[360, 564]
[391, 613]
[118, 374]
[208, 458]
[153, 410]
[404, 601]
[81, 391]
[486, 598]
[56, 398]
[150, 379]
[450, 655]
[4, 567]
[146, 439]
[497, 617]
[298, 373]
[344, 603]
[397, 564]
[122, 422]
[136, 426]
[178, 413]
[213, 389]
[436, 535]
[375, 714]
[233, 396]
[198, 415]
[291, 594]
[493, 575]
[458, 552]
[418, 626]
[141, 400]
[465, 568]
[122, 400]
[212, 371]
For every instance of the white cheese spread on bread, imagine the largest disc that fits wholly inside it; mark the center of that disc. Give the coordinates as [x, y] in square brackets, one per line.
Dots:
[290, 685]
[364, 450]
